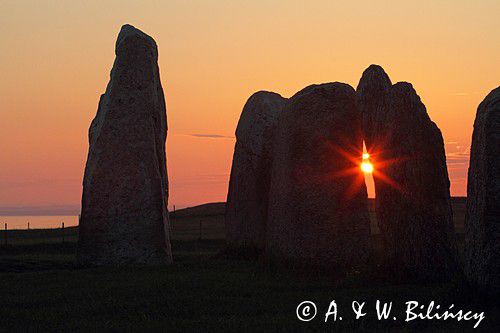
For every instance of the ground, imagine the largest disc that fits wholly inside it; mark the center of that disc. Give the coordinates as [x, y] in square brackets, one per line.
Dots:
[43, 289]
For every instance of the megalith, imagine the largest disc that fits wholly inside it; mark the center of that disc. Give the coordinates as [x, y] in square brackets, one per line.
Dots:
[318, 201]
[413, 206]
[124, 217]
[248, 194]
[482, 222]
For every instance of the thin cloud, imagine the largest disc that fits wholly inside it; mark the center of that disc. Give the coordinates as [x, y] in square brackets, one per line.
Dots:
[464, 153]
[210, 136]
[47, 210]
[457, 158]
[459, 179]
[452, 161]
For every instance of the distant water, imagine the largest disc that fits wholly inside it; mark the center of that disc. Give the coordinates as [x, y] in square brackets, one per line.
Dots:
[37, 222]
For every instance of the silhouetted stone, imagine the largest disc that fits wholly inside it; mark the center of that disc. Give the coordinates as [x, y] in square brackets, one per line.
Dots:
[124, 218]
[482, 223]
[373, 89]
[248, 194]
[318, 201]
[411, 180]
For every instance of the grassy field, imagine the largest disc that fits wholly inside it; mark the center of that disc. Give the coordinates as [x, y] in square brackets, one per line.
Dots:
[43, 290]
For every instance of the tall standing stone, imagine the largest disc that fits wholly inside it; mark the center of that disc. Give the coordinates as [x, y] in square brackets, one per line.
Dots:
[124, 218]
[248, 195]
[318, 201]
[373, 90]
[411, 180]
[482, 223]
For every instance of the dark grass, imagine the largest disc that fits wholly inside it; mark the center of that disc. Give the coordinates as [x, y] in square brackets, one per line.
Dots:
[205, 290]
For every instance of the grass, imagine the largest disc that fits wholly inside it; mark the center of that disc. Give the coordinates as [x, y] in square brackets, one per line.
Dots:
[43, 290]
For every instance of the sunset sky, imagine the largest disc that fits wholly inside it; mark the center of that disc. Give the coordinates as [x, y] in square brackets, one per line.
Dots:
[56, 57]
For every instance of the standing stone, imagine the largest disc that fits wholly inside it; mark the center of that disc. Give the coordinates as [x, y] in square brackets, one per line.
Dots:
[482, 223]
[411, 180]
[124, 218]
[373, 90]
[248, 195]
[318, 211]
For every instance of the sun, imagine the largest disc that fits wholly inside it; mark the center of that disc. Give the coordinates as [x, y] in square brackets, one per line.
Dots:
[366, 166]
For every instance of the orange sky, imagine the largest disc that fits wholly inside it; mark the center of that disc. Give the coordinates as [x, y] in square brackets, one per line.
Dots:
[56, 58]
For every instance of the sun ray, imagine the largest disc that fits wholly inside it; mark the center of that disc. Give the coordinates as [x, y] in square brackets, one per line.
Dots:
[379, 175]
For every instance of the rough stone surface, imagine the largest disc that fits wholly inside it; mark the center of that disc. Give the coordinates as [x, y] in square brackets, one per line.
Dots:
[411, 180]
[124, 218]
[373, 89]
[482, 223]
[247, 199]
[318, 201]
